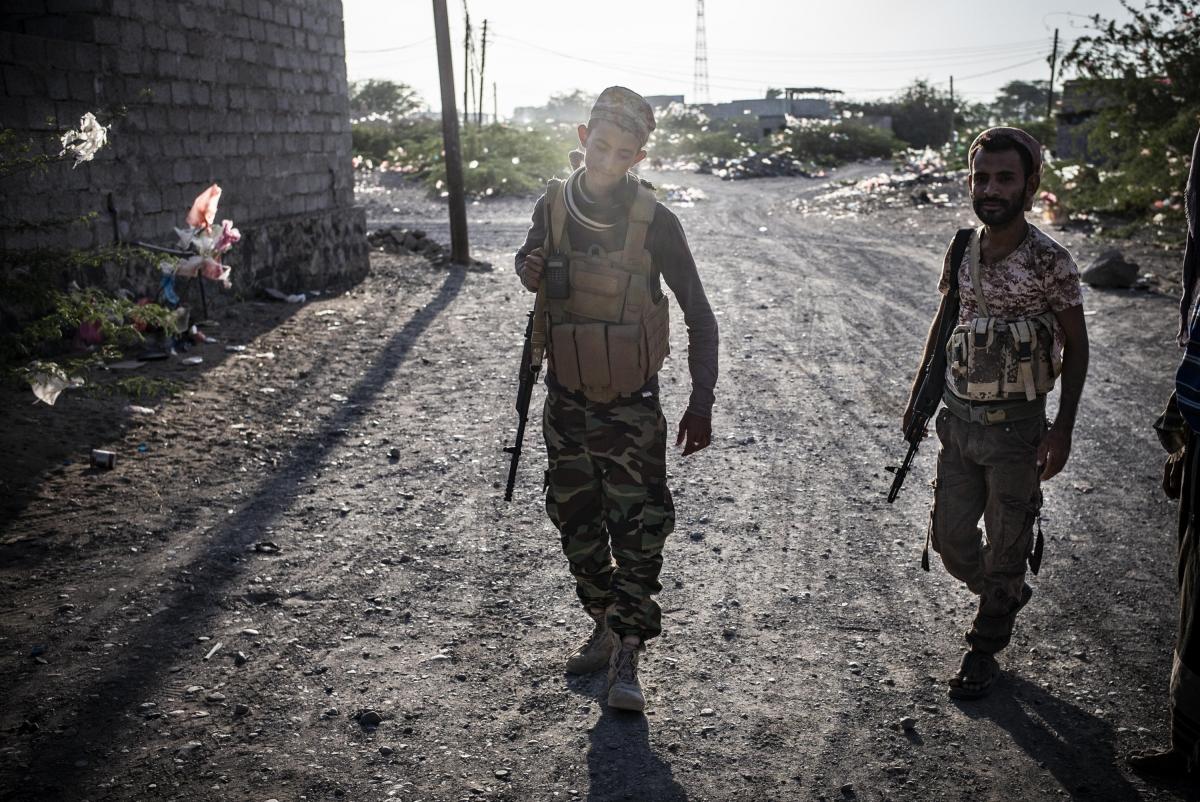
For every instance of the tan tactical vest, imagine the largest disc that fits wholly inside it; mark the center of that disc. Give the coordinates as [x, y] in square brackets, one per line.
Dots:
[997, 359]
[610, 336]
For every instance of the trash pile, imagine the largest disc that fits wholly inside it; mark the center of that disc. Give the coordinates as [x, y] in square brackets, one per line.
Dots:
[684, 197]
[402, 240]
[920, 178]
[758, 165]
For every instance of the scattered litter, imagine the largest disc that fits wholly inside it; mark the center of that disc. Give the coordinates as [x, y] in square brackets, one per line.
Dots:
[267, 547]
[325, 312]
[136, 410]
[192, 360]
[299, 298]
[142, 448]
[47, 386]
[103, 459]
[216, 648]
[917, 176]
[235, 349]
[128, 364]
[338, 397]
[685, 197]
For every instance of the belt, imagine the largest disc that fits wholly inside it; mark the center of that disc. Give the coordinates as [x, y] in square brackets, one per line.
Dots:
[992, 412]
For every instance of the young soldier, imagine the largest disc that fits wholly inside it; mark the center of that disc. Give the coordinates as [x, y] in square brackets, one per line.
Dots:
[596, 250]
[1020, 323]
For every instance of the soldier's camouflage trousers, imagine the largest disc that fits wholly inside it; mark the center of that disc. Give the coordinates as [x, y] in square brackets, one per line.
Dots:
[606, 492]
[989, 472]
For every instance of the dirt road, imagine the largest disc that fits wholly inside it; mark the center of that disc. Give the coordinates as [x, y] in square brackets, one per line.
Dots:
[798, 630]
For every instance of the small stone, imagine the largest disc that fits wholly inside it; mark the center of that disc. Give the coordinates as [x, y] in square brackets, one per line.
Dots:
[240, 658]
[216, 697]
[193, 689]
[250, 632]
[908, 723]
[241, 709]
[370, 718]
[696, 536]
[386, 751]
[393, 454]
[848, 789]
[502, 774]
[708, 711]
[189, 749]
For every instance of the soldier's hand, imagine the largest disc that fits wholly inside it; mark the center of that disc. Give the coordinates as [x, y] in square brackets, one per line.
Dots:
[1172, 481]
[906, 421]
[531, 274]
[695, 433]
[1053, 452]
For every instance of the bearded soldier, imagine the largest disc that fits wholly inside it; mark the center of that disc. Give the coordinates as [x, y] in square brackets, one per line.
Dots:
[1020, 325]
[598, 249]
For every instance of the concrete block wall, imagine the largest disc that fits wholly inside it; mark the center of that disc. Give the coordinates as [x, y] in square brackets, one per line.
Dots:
[250, 94]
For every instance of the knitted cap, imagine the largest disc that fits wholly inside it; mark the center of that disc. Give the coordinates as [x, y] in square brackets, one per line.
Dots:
[625, 108]
[1023, 139]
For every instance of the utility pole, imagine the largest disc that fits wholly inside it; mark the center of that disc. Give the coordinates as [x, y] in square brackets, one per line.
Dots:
[700, 65]
[466, 65]
[1053, 64]
[495, 104]
[482, 85]
[459, 250]
[953, 130]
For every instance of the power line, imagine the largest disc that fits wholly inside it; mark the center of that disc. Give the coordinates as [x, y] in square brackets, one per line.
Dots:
[417, 43]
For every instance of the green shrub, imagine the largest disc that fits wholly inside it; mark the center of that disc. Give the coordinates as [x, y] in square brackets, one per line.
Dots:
[831, 143]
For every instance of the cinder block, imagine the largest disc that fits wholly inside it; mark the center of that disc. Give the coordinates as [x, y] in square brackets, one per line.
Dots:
[106, 30]
[132, 34]
[82, 87]
[148, 201]
[181, 94]
[156, 36]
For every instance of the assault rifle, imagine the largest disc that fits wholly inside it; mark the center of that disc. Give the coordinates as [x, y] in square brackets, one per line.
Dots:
[932, 375]
[531, 365]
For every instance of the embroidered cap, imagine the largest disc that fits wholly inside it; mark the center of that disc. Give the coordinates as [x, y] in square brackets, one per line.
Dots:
[625, 108]
[1023, 139]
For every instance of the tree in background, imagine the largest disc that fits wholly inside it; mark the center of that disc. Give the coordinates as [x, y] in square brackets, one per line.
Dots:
[921, 115]
[1021, 101]
[1149, 70]
[387, 99]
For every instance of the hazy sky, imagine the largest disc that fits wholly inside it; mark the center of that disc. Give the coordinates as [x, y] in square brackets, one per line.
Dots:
[867, 48]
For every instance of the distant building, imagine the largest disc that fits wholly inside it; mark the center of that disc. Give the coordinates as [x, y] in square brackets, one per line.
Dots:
[662, 101]
[770, 114]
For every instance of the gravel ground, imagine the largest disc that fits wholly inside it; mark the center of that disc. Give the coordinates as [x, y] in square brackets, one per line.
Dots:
[306, 585]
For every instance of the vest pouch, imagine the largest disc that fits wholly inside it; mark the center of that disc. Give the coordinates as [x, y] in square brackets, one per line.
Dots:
[657, 328]
[591, 348]
[564, 358]
[597, 290]
[627, 358]
[956, 357]
[986, 361]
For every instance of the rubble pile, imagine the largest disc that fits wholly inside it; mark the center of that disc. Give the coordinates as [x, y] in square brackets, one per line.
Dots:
[920, 178]
[757, 165]
[684, 197]
[402, 240]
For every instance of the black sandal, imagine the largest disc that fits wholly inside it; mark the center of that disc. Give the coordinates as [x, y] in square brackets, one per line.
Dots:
[976, 676]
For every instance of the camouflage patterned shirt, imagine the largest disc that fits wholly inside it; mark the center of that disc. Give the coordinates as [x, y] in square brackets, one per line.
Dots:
[1039, 276]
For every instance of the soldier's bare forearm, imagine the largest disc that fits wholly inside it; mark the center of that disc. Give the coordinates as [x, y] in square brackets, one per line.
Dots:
[1075, 365]
[1074, 374]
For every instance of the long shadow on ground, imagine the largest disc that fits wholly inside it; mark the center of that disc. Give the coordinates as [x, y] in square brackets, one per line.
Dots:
[621, 764]
[100, 704]
[1073, 745]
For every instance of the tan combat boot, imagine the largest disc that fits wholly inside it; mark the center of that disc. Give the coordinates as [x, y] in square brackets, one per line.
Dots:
[624, 691]
[593, 654]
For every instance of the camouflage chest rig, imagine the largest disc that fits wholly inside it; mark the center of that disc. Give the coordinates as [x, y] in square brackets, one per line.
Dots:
[1000, 359]
[607, 334]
